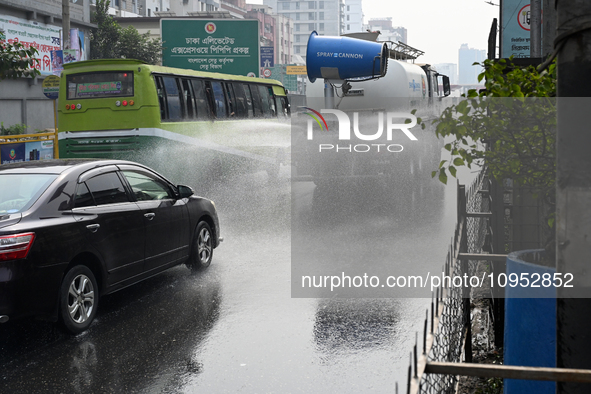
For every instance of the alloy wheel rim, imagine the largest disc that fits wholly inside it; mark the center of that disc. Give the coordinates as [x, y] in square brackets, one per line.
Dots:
[204, 245]
[80, 298]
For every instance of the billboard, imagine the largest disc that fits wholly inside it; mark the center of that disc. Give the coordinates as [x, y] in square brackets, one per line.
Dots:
[214, 45]
[44, 38]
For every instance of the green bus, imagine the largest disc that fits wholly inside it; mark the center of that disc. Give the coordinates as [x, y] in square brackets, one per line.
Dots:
[198, 123]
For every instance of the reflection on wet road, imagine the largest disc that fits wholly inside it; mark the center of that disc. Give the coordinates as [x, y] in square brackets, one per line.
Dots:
[235, 328]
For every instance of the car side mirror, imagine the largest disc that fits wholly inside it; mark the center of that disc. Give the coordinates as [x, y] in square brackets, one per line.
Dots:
[185, 191]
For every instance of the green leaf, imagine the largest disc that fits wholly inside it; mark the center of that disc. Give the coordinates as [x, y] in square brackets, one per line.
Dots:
[458, 162]
[443, 176]
[452, 171]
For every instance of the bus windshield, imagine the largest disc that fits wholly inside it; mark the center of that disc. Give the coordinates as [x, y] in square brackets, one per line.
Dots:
[100, 84]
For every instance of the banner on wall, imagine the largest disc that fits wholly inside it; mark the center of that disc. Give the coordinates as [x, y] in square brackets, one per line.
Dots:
[26, 151]
[44, 38]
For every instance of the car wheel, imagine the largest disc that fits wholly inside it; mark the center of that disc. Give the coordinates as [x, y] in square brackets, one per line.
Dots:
[202, 252]
[78, 299]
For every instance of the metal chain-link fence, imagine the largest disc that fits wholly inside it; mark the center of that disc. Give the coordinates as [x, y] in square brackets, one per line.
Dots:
[450, 311]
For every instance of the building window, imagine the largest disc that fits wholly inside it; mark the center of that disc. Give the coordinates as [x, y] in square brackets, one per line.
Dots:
[348, 17]
[321, 5]
[298, 16]
[311, 5]
[321, 16]
[297, 5]
[297, 27]
[311, 26]
[348, 27]
[321, 26]
[297, 49]
[311, 16]
[348, 8]
[297, 38]
[285, 6]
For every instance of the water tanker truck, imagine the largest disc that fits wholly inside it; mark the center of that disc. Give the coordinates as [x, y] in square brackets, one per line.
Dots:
[360, 118]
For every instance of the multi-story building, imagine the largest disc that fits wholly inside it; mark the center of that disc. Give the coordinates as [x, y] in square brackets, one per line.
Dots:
[353, 16]
[387, 31]
[151, 8]
[449, 69]
[39, 24]
[275, 30]
[326, 17]
[468, 73]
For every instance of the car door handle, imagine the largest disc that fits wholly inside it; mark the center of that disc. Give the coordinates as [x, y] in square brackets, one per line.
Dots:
[93, 227]
[149, 216]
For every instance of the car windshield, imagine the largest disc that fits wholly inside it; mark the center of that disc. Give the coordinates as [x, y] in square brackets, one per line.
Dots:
[19, 191]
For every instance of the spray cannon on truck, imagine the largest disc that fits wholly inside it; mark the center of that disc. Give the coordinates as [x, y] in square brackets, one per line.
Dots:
[359, 122]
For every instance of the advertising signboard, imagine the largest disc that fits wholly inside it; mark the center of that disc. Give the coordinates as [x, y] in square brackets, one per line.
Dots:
[51, 87]
[44, 38]
[26, 151]
[214, 45]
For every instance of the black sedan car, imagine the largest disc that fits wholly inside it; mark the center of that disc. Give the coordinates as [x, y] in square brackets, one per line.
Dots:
[74, 230]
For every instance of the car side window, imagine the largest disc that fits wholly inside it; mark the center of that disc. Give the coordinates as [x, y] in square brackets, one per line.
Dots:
[145, 187]
[83, 197]
[107, 189]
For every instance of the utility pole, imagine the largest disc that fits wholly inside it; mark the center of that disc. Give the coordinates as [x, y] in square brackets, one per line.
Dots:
[535, 31]
[66, 24]
[573, 189]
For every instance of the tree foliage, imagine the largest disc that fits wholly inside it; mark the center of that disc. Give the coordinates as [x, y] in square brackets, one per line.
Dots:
[110, 40]
[134, 45]
[16, 60]
[104, 40]
[510, 126]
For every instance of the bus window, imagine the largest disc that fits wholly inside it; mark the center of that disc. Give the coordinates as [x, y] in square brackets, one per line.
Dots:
[240, 100]
[248, 100]
[174, 104]
[231, 100]
[161, 97]
[256, 101]
[219, 100]
[188, 98]
[100, 84]
[201, 101]
[268, 101]
[283, 105]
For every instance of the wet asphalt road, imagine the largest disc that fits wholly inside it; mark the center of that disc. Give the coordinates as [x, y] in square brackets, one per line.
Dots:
[235, 328]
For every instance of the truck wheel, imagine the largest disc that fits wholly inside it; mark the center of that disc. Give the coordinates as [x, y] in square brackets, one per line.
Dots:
[78, 299]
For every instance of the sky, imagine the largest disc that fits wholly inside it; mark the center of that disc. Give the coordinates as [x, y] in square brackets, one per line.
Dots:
[437, 27]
